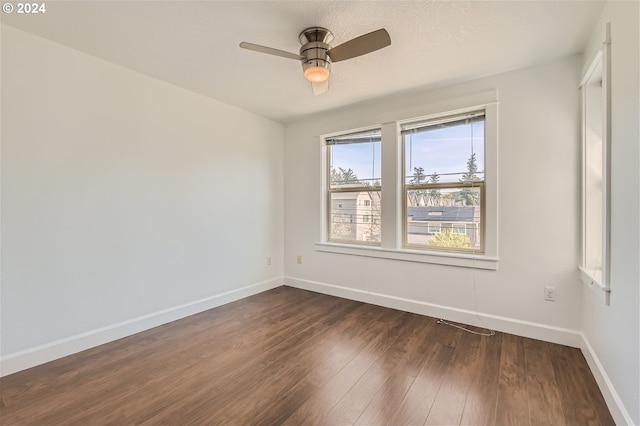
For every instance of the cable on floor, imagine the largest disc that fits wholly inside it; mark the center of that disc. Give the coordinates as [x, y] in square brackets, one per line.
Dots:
[490, 333]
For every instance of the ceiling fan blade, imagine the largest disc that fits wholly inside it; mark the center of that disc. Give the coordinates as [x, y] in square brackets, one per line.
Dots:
[362, 45]
[270, 51]
[321, 87]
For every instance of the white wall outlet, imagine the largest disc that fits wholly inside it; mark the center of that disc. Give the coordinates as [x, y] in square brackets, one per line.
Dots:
[299, 259]
[268, 261]
[550, 293]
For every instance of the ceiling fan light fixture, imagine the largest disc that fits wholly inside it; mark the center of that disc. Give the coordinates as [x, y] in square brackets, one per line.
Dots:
[316, 74]
[316, 70]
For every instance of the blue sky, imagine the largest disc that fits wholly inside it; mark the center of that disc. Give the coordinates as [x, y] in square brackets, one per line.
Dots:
[442, 151]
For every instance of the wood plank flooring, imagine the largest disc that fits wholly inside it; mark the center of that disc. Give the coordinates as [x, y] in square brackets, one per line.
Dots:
[288, 356]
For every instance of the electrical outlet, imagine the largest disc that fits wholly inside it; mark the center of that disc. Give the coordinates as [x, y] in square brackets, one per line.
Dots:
[550, 293]
[299, 259]
[268, 261]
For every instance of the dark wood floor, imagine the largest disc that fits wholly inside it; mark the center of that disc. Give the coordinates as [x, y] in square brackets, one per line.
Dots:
[289, 356]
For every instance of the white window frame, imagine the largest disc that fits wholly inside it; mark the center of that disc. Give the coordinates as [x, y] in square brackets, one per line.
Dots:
[392, 179]
[479, 185]
[598, 280]
[353, 189]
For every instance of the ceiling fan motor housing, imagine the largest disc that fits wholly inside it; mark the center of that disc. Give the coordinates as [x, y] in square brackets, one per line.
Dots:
[315, 55]
[315, 44]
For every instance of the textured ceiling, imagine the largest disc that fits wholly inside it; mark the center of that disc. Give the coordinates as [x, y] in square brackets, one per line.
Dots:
[194, 44]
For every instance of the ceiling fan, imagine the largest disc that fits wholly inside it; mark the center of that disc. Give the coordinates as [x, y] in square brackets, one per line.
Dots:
[316, 53]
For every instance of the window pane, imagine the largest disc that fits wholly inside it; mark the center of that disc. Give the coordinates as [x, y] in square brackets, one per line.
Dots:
[593, 178]
[355, 164]
[452, 153]
[444, 218]
[354, 220]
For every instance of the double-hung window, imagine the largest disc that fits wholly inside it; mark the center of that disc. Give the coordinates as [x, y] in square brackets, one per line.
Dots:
[354, 184]
[420, 189]
[444, 184]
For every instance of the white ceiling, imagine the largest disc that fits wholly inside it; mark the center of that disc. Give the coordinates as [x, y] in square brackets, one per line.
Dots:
[194, 44]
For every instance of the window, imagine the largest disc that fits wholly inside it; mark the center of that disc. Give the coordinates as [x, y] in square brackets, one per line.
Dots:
[595, 173]
[459, 228]
[417, 189]
[433, 228]
[444, 177]
[354, 174]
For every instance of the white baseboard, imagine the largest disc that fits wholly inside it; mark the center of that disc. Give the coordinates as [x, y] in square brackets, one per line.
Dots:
[616, 407]
[48, 352]
[518, 327]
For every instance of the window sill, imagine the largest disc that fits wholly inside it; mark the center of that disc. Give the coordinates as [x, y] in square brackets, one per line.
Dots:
[593, 280]
[406, 255]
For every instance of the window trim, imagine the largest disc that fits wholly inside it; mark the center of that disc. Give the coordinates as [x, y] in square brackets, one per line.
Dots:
[598, 280]
[391, 215]
[464, 260]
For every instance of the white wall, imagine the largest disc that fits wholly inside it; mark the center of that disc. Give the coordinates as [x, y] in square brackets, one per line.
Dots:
[538, 239]
[614, 331]
[123, 196]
